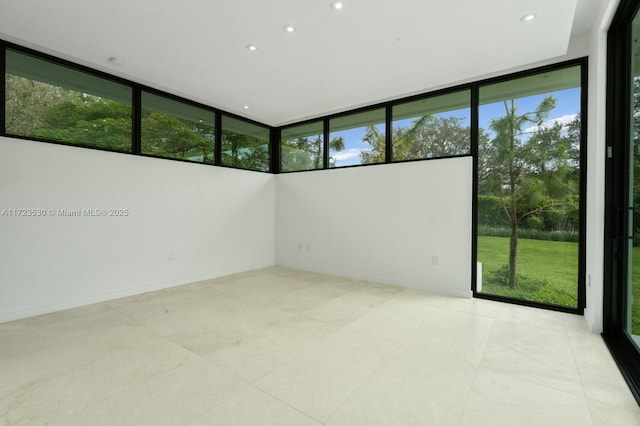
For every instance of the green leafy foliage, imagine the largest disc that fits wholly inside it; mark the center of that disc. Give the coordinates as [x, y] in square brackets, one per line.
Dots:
[532, 234]
[89, 121]
[167, 136]
[307, 153]
[245, 151]
[42, 110]
[304, 153]
[426, 137]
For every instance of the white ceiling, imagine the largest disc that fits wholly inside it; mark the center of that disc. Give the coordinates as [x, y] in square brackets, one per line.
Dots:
[371, 50]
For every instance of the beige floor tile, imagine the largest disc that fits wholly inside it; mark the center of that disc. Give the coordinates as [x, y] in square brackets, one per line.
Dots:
[609, 415]
[255, 356]
[517, 315]
[254, 407]
[601, 379]
[213, 332]
[37, 348]
[535, 355]
[321, 380]
[461, 336]
[175, 397]
[498, 399]
[311, 297]
[345, 308]
[278, 346]
[411, 388]
[79, 387]
[175, 311]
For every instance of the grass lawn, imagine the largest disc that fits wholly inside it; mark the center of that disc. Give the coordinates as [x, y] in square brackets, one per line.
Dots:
[547, 270]
[552, 269]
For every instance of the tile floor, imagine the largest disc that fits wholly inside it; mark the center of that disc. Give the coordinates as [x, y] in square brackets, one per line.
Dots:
[284, 347]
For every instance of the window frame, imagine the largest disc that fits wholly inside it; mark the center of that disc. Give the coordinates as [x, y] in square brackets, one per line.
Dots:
[188, 103]
[322, 124]
[582, 64]
[136, 104]
[5, 47]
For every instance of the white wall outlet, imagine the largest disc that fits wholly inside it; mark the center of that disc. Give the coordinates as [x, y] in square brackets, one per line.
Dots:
[435, 260]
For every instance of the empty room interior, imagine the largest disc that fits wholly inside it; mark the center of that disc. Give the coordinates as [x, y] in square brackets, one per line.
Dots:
[320, 212]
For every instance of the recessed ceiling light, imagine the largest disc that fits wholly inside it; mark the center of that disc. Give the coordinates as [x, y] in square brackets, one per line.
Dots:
[246, 107]
[116, 61]
[288, 28]
[337, 4]
[528, 17]
[251, 47]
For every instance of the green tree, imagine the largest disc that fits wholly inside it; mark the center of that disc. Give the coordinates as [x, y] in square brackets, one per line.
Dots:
[88, 120]
[27, 103]
[307, 153]
[245, 151]
[427, 137]
[302, 153]
[335, 144]
[169, 136]
[511, 158]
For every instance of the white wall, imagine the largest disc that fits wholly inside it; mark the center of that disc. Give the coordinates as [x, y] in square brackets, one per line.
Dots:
[380, 223]
[186, 223]
[596, 149]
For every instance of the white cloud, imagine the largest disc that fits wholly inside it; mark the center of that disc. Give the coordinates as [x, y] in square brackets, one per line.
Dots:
[347, 154]
[563, 121]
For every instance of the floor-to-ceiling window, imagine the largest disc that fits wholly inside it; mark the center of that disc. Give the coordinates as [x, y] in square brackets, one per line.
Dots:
[529, 188]
[622, 231]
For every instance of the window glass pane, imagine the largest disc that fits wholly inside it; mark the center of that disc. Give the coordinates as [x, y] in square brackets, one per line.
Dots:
[432, 127]
[244, 145]
[357, 139]
[529, 188]
[54, 102]
[302, 147]
[632, 325]
[177, 130]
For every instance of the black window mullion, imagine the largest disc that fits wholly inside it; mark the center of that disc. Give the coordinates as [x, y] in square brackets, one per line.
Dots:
[388, 145]
[3, 90]
[325, 142]
[475, 134]
[137, 121]
[274, 149]
[218, 141]
[582, 255]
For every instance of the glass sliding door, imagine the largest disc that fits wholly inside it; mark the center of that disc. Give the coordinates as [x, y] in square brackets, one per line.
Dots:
[633, 196]
[529, 188]
[621, 318]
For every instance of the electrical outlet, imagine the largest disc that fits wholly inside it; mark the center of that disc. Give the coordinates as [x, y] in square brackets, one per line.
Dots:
[435, 260]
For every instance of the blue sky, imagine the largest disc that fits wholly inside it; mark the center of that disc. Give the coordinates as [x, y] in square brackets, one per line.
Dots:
[567, 106]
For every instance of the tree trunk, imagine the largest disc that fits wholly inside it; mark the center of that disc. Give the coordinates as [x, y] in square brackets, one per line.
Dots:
[319, 157]
[513, 238]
